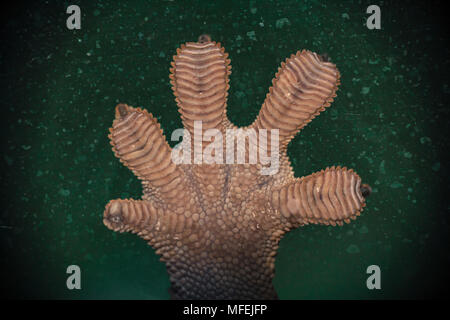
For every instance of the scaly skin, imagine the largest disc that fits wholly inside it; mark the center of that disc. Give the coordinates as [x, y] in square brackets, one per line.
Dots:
[217, 226]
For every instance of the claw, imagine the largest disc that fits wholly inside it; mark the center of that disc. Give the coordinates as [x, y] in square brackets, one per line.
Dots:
[366, 190]
[324, 57]
[121, 111]
[204, 38]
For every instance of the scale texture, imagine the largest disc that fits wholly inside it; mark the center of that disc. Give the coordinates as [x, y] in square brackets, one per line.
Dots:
[217, 226]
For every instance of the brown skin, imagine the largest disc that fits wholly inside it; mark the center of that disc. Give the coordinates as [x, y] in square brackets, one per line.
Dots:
[217, 226]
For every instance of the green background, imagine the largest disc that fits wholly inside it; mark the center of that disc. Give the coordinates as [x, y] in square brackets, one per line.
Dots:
[59, 88]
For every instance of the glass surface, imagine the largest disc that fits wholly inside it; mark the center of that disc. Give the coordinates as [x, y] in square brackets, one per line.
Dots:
[59, 88]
